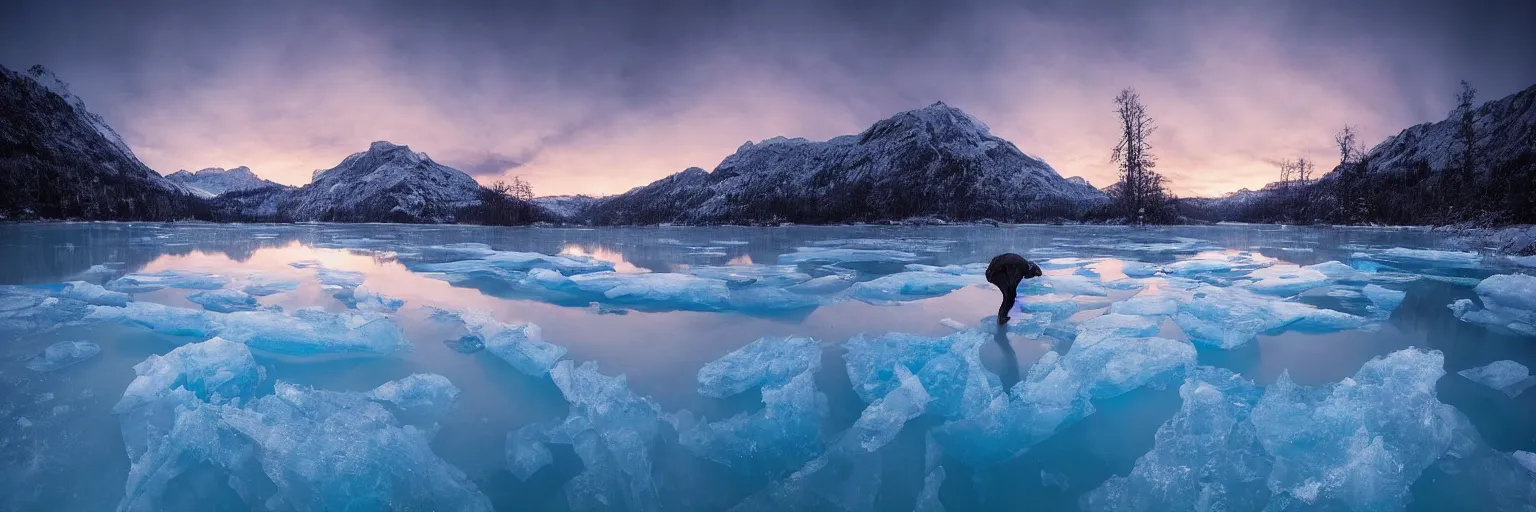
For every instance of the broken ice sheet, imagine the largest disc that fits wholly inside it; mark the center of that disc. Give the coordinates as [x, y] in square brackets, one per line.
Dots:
[224, 300]
[521, 345]
[427, 395]
[306, 331]
[1509, 303]
[184, 279]
[769, 362]
[612, 429]
[281, 450]
[1361, 442]
[907, 286]
[1206, 456]
[783, 435]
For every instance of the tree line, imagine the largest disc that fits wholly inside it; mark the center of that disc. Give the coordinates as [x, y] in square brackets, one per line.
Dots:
[1476, 188]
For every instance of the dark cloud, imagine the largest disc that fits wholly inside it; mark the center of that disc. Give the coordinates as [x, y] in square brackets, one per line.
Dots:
[598, 96]
[487, 165]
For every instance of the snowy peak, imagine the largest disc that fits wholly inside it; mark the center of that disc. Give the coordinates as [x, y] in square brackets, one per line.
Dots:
[214, 181]
[388, 182]
[45, 78]
[933, 161]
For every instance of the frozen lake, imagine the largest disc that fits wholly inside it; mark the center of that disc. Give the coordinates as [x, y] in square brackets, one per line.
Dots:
[1310, 362]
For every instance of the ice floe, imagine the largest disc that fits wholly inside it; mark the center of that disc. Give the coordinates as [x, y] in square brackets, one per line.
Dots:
[1509, 303]
[1506, 376]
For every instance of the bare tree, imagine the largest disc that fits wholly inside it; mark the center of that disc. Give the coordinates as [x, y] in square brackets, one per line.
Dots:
[1287, 171]
[1141, 189]
[1349, 149]
[521, 190]
[1303, 169]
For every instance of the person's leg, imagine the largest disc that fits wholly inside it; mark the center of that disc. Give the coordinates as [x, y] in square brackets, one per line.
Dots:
[1009, 294]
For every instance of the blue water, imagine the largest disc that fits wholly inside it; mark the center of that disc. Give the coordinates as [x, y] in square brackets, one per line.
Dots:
[69, 454]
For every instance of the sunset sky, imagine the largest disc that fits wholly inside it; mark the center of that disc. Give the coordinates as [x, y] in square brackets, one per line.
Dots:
[597, 97]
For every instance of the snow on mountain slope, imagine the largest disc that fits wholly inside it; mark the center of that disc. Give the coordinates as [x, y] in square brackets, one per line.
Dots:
[936, 160]
[49, 81]
[59, 160]
[566, 207]
[1506, 127]
[387, 183]
[214, 181]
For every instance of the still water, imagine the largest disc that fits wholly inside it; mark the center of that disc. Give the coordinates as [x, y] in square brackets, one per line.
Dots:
[62, 447]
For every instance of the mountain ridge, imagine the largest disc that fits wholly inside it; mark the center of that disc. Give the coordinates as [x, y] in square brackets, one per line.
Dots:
[969, 174]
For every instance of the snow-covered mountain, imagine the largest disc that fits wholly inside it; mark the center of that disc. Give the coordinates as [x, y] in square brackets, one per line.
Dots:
[1403, 179]
[387, 183]
[1506, 129]
[214, 181]
[566, 207]
[60, 160]
[934, 161]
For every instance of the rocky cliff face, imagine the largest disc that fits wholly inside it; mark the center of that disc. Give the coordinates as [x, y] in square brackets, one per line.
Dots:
[60, 160]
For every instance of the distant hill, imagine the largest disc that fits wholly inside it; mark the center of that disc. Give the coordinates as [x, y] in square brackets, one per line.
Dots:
[211, 182]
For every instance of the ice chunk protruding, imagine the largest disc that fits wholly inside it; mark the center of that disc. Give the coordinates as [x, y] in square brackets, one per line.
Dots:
[1361, 442]
[281, 450]
[93, 294]
[521, 345]
[427, 395]
[783, 435]
[884, 418]
[613, 431]
[1206, 457]
[312, 331]
[261, 286]
[224, 300]
[1115, 325]
[908, 286]
[184, 279]
[681, 291]
[63, 354]
[1286, 280]
[307, 331]
[1146, 305]
[158, 317]
[1506, 376]
[1227, 318]
[1509, 302]
[213, 371]
[1384, 300]
[769, 362]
